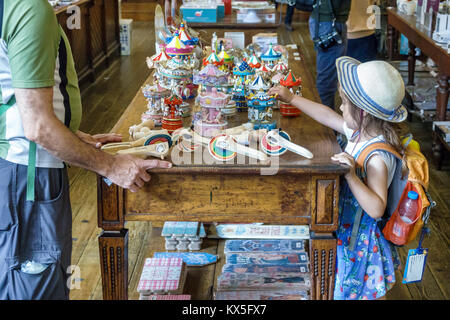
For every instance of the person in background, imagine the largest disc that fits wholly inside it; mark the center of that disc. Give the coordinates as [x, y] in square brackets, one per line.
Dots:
[40, 114]
[362, 43]
[321, 25]
[288, 17]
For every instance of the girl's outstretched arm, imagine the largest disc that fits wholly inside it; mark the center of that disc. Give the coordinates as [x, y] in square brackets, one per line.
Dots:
[372, 197]
[317, 111]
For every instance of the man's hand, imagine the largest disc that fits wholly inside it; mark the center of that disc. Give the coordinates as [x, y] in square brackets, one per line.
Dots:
[98, 140]
[282, 93]
[43, 127]
[131, 172]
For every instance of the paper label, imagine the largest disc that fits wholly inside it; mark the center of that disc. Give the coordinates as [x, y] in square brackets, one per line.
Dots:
[415, 265]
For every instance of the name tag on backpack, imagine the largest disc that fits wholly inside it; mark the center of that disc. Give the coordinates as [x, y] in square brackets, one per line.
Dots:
[415, 265]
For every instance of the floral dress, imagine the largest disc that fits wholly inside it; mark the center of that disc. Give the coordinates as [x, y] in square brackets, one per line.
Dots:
[368, 271]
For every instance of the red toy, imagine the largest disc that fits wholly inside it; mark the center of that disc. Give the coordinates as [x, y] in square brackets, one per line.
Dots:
[289, 82]
[172, 114]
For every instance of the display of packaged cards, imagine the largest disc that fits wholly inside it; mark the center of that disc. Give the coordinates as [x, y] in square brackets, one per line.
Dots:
[265, 268]
[261, 295]
[162, 275]
[264, 246]
[252, 281]
[266, 258]
[165, 297]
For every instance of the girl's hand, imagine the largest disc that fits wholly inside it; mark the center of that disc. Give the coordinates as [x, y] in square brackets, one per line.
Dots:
[347, 159]
[98, 140]
[282, 93]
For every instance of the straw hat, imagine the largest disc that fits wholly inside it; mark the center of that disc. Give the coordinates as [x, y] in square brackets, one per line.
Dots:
[375, 86]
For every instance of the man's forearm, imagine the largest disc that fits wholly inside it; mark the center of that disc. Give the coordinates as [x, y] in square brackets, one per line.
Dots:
[67, 146]
[43, 127]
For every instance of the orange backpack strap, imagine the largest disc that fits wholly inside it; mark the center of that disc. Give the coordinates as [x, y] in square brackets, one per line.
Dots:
[368, 150]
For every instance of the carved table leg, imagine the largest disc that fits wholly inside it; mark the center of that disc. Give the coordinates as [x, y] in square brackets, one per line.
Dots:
[323, 260]
[411, 63]
[113, 241]
[113, 246]
[442, 94]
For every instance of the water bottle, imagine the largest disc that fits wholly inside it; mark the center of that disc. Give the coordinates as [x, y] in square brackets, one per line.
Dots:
[408, 208]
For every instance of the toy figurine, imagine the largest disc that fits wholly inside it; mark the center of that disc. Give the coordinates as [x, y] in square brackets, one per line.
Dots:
[172, 113]
[289, 82]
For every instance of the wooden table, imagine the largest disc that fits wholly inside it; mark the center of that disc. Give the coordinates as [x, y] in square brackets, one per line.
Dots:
[301, 192]
[420, 37]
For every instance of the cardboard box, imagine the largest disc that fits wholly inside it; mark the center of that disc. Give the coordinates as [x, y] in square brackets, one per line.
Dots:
[205, 15]
[237, 38]
[125, 36]
[265, 39]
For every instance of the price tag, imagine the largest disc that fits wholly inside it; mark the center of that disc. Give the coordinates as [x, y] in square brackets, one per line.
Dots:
[415, 265]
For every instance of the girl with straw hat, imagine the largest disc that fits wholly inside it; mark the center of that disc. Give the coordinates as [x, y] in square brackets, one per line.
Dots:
[371, 108]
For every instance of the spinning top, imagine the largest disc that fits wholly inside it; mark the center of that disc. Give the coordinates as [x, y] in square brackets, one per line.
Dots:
[224, 148]
[219, 148]
[271, 148]
[277, 139]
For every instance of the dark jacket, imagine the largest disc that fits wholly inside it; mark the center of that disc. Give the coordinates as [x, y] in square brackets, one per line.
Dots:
[341, 10]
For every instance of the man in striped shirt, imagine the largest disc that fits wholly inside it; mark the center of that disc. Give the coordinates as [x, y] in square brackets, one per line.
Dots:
[39, 119]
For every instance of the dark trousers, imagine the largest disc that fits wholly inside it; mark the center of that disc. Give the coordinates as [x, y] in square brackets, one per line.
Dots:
[39, 231]
[327, 80]
[289, 14]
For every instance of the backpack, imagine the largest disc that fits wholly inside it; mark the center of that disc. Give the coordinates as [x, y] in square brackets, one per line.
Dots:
[394, 229]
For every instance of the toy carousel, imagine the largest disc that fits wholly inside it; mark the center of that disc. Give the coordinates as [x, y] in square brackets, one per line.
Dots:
[155, 95]
[210, 120]
[290, 82]
[260, 105]
[270, 57]
[172, 116]
[242, 72]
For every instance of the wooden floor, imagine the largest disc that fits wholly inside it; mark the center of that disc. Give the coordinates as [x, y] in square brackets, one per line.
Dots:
[104, 102]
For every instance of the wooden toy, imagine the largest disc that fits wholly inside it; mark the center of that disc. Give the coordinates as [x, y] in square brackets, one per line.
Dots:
[271, 148]
[159, 150]
[289, 82]
[225, 148]
[181, 235]
[141, 129]
[162, 276]
[152, 137]
[275, 139]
